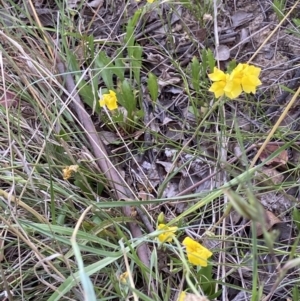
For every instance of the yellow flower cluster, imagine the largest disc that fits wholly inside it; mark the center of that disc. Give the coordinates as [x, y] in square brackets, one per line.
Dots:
[109, 100]
[243, 78]
[196, 253]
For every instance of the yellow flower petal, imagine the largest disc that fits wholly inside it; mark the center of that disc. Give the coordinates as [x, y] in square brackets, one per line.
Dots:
[250, 84]
[168, 234]
[220, 79]
[217, 75]
[233, 87]
[150, 1]
[252, 70]
[182, 296]
[218, 88]
[249, 77]
[102, 102]
[196, 253]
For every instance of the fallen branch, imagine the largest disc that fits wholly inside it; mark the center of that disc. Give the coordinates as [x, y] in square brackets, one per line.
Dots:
[114, 179]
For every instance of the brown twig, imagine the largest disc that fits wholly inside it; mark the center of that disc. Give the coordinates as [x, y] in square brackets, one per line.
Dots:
[113, 177]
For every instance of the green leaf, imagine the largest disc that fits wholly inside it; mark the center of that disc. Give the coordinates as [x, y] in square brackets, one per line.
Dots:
[153, 86]
[296, 218]
[88, 288]
[295, 292]
[72, 61]
[287, 89]
[118, 118]
[196, 68]
[204, 66]
[80, 183]
[232, 65]
[205, 280]
[63, 135]
[86, 91]
[89, 48]
[129, 37]
[278, 7]
[210, 59]
[89, 270]
[296, 22]
[136, 62]
[133, 21]
[119, 69]
[129, 101]
[106, 69]
[87, 94]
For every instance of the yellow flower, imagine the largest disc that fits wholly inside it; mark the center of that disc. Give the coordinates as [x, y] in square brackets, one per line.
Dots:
[233, 87]
[168, 234]
[182, 296]
[250, 78]
[67, 172]
[109, 100]
[243, 78]
[150, 1]
[220, 79]
[196, 253]
[224, 85]
[123, 277]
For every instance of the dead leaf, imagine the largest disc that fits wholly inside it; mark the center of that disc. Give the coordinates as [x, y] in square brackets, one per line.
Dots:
[168, 78]
[222, 53]
[8, 98]
[96, 3]
[200, 33]
[207, 17]
[171, 190]
[244, 35]
[145, 196]
[275, 202]
[240, 17]
[166, 120]
[270, 221]
[108, 137]
[170, 153]
[177, 27]
[280, 159]
[268, 174]
[147, 175]
[169, 166]
[155, 59]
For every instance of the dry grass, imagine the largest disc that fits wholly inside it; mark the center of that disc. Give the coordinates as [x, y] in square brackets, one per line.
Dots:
[74, 239]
